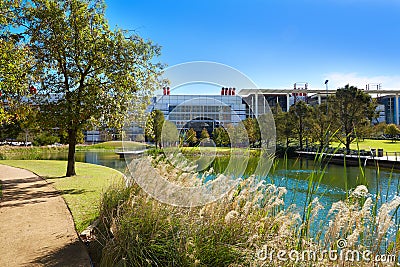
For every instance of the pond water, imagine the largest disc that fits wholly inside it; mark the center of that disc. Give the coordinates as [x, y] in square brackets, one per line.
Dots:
[291, 173]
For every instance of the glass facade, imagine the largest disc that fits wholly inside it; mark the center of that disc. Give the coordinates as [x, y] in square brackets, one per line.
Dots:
[212, 110]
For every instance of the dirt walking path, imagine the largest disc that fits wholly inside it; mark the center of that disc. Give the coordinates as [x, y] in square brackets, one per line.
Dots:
[36, 227]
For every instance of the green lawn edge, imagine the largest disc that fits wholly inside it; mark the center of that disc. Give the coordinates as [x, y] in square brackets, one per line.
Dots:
[82, 193]
[367, 144]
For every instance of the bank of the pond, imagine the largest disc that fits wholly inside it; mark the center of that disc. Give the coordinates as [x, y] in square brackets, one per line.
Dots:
[113, 145]
[82, 192]
[389, 162]
[42, 152]
[28, 153]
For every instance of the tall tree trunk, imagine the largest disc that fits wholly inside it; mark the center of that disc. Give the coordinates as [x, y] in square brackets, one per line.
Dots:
[301, 135]
[72, 133]
[348, 145]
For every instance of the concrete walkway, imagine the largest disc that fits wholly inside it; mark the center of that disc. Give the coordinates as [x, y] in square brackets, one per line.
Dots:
[36, 227]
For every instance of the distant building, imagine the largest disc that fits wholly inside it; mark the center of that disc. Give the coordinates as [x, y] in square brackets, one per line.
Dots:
[390, 108]
[230, 107]
[201, 111]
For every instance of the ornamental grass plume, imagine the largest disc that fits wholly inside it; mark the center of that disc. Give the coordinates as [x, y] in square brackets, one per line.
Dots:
[137, 230]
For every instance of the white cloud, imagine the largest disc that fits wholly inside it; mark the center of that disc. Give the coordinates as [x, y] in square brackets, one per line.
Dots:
[337, 80]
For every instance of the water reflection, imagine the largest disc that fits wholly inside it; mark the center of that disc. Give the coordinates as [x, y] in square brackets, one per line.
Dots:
[291, 173]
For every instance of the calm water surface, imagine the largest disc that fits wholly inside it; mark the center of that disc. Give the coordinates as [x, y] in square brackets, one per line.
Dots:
[292, 174]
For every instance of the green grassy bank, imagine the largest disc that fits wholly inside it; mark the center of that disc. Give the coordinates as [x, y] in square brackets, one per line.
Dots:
[367, 144]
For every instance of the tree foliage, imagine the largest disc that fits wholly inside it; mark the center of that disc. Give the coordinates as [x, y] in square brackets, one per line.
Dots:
[204, 134]
[352, 110]
[220, 137]
[301, 116]
[284, 127]
[392, 131]
[15, 63]
[154, 127]
[320, 125]
[87, 71]
[379, 130]
[170, 134]
[253, 131]
[191, 137]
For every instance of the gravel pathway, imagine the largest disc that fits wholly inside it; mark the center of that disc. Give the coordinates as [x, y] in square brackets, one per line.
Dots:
[36, 227]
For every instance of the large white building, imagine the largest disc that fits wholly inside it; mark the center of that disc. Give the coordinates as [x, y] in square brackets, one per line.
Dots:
[211, 111]
[200, 111]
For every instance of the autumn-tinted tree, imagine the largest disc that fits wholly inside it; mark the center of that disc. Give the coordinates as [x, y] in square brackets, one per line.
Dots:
[352, 110]
[253, 131]
[87, 70]
[204, 134]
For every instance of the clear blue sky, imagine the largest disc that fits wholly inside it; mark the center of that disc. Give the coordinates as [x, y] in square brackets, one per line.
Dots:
[275, 42]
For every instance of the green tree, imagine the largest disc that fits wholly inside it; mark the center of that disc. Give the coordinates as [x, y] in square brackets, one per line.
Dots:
[204, 134]
[15, 63]
[301, 114]
[392, 130]
[45, 138]
[191, 137]
[320, 125]
[170, 134]
[352, 110]
[97, 74]
[284, 127]
[220, 137]
[154, 127]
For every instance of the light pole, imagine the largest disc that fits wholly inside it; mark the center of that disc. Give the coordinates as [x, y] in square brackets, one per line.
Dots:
[326, 87]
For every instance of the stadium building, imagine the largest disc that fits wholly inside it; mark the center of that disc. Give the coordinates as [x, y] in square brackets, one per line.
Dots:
[201, 111]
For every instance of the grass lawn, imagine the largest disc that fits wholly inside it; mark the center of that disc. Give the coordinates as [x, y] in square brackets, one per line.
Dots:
[82, 193]
[367, 144]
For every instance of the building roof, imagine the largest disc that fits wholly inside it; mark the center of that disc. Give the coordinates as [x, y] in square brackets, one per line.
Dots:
[246, 92]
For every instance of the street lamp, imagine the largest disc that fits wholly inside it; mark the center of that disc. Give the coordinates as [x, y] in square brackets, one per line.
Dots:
[326, 87]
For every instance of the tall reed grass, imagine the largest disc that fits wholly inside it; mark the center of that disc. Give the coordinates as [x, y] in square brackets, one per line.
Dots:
[137, 230]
